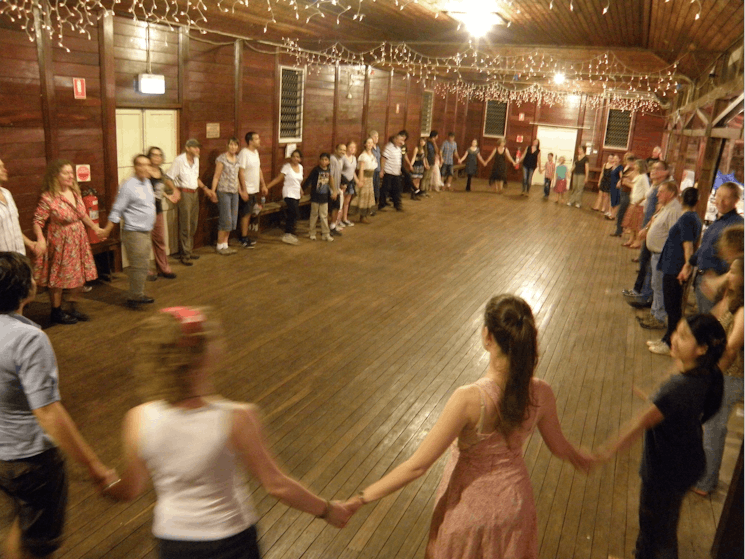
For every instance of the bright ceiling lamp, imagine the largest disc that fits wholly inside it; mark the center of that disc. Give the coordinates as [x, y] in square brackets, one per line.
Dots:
[477, 16]
[559, 78]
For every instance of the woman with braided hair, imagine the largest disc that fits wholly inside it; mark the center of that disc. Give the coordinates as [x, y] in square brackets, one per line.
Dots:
[484, 507]
[193, 444]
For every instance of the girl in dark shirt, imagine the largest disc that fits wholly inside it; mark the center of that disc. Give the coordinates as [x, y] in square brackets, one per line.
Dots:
[673, 453]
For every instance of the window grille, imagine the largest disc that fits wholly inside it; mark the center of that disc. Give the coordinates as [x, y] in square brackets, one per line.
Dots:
[291, 105]
[496, 119]
[425, 117]
[617, 129]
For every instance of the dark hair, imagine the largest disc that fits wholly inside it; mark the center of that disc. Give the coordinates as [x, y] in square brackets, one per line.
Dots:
[234, 141]
[690, 197]
[583, 148]
[451, 134]
[433, 134]
[250, 136]
[324, 154]
[510, 322]
[737, 298]
[732, 237]
[538, 145]
[15, 280]
[404, 134]
[300, 153]
[151, 149]
[551, 154]
[665, 164]
[709, 332]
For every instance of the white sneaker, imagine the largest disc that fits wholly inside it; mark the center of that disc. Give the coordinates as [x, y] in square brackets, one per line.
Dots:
[312, 237]
[289, 239]
[650, 343]
[569, 203]
[660, 349]
[340, 225]
[578, 205]
[328, 238]
[348, 223]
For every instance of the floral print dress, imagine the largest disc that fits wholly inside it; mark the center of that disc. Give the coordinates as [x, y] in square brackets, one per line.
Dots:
[68, 262]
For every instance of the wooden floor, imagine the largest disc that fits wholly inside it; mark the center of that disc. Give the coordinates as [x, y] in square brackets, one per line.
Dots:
[353, 347]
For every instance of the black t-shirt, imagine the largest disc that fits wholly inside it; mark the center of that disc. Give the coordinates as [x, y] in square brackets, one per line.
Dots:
[318, 179]
[579, 166]
[431, 152]
[673, 453]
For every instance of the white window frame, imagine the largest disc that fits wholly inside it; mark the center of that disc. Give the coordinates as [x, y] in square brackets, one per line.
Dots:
[428, 127]
[506, 118]
[301, 71]
[628, 136]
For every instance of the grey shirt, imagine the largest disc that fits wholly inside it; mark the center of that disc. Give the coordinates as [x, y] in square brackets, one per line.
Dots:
[663, 221]
[28, 380]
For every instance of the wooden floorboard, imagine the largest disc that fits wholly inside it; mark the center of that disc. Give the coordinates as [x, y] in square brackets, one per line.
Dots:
[352, 349]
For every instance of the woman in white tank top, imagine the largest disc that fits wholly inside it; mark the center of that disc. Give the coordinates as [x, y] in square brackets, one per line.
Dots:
[193, 444]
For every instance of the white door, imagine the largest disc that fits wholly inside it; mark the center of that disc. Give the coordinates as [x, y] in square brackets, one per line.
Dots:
[136, 131]
[556, 140]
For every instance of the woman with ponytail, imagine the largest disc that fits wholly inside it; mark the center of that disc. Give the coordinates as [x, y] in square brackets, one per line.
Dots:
[673, 453]
[484, 507]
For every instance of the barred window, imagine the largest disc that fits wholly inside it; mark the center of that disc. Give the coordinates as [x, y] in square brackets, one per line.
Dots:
[617, 129]
[291, 105]
[425, 117]
[496, 119]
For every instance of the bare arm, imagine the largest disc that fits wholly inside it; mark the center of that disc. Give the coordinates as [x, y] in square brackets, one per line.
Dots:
[490, 156]
[216, 178]
[382, 166]
[276, 180]
[734, 342]
[550, 429]
[632, 432]
[507, 153]
[135, 474]
[454, 418]
[56, 422]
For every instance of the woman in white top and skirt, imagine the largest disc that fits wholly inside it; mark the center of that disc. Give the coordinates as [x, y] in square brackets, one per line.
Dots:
[192, 443]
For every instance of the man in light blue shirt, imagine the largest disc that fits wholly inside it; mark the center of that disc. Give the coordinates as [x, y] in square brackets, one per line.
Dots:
[135, 203]
[34, 426]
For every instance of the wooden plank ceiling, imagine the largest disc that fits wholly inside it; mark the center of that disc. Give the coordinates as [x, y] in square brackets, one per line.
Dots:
[646, 34]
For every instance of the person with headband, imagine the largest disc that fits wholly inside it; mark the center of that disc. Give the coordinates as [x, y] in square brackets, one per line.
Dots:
[192, 443]
[673, 456]
[34, 425]
[484, 506]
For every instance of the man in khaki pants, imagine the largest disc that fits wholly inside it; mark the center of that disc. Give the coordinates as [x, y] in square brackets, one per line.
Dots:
[184, 172]
[135, 204]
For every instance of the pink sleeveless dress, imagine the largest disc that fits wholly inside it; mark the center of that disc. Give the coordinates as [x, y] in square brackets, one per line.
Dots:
[484, 507]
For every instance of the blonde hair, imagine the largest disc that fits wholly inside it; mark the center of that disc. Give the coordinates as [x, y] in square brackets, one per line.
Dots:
[51, 178]
[167, 356]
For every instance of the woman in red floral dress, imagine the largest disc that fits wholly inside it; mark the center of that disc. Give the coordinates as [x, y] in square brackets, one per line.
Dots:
[65, 261]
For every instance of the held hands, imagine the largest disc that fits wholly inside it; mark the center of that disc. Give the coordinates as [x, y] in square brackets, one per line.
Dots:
[102, 477]
[100, 233]
[338, 514]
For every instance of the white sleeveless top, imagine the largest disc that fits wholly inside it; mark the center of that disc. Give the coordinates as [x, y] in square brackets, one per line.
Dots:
[200, 492]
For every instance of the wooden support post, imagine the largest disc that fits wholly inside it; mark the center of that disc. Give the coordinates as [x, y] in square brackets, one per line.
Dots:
[48, 100]
[275, 114]
[183, 84]
[365, 104]
[335, 115]
[406, 102]
[388, 106]
[108, 107]
[238, 78]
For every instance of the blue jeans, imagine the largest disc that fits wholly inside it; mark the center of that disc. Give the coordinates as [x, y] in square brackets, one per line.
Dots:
[715, 433]
[622, 207]
[546, 187]
[703, 303]
[527, 178]
[658, 305]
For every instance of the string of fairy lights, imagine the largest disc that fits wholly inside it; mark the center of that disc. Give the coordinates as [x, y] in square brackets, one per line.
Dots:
[505, 77]
[523, 77]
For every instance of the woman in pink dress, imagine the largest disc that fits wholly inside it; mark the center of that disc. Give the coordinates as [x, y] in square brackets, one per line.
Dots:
[484, 507]
[65, 261]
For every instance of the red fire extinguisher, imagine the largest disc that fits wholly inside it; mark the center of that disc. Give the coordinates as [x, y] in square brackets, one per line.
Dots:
[517, 159]
[90, 200]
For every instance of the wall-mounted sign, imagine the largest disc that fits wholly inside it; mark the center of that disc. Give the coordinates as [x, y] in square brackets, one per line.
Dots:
[83, 173]
[213, 130]
[521, 116]
[289, 148]
[519, 139]
[398, 107]
[78, 87]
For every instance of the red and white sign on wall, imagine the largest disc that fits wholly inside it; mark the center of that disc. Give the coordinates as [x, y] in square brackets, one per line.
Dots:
[83, 173]
[78, 86]
[521, 117]
[519, 139]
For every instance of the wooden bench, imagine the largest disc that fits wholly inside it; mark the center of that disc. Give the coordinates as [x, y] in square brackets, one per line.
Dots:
[275, 207]
[459, 171]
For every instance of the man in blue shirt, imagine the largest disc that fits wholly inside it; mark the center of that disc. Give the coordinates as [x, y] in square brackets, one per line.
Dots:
[135, 202]
[34, 425]
[706, 258]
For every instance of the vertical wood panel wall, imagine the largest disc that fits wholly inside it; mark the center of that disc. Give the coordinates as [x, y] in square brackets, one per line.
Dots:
[201, 74]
